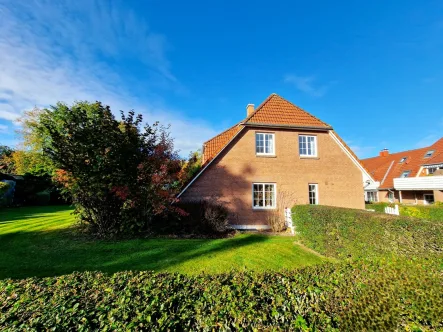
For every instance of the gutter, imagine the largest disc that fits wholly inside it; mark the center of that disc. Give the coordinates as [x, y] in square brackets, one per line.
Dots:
[268, 125]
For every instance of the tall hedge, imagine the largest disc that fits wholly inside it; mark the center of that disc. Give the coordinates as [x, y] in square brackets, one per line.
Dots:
[354, 296]
[427, 212]
[340, 232]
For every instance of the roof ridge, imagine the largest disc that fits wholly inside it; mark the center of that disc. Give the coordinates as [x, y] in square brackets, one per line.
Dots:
[286, 100]
[259, 106]
[290, 102]
[400, 152]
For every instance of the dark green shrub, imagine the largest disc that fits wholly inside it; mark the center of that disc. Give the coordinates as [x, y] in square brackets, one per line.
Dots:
[427, 212]
[354, 296]
[204, 217]
[340, 232]
[40, 198]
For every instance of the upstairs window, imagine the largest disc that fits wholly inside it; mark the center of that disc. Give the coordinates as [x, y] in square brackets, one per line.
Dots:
[429, 153]
[313, 193]
[264, 144]
[307, 146]
[402, 160]
[432, 170]
[405, 174]
[263, 195]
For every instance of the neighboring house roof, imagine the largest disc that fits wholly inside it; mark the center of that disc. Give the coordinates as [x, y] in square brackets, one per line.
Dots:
[274, 111]
[386, 168]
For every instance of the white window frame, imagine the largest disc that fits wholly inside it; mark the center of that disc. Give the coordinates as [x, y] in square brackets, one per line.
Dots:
[315, 146]
[429, 154]
[424, 199]
[391, 199]
[315, 191]
[264, 142]
[374, 195]
[274, 206]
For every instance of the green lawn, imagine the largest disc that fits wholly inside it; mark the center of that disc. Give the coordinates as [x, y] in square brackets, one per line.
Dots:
[39, 241]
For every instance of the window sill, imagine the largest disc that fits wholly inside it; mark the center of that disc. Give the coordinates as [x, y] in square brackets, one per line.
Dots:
[263, 209]
[309, 157]
[266, 155]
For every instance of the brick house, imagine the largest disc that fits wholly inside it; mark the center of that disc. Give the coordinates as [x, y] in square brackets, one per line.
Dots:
[408, 177]
[278, 156]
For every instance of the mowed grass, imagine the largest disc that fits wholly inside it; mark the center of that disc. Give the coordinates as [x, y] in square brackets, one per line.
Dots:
[41, 241]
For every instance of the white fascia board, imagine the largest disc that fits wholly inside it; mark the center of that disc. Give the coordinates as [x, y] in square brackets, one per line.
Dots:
[366, 175]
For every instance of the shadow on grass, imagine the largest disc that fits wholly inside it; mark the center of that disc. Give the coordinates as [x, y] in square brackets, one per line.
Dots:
[55, 252]
[8, 215]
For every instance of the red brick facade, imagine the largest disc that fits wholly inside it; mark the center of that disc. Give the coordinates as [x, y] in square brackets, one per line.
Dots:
[231, 175]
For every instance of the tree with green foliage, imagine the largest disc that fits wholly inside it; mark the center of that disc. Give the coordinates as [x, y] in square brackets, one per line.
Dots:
[6, 162]
[119, 174]
[191, 167]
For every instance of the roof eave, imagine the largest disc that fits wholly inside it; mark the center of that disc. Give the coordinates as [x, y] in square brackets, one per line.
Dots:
[272, 125]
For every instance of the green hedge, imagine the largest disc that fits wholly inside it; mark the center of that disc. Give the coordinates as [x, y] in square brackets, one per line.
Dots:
[355, 296]
[427, 212]
[340, 232]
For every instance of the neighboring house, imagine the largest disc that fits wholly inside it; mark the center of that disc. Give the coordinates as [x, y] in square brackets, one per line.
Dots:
[409, 177]
[278, 156]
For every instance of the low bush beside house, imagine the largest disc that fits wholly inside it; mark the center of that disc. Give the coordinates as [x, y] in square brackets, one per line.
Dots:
[427, 212]
[351, 296]
[340, 233]
[205, 217]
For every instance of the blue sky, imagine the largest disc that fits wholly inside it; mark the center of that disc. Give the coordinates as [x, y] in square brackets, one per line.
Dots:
[371, 69]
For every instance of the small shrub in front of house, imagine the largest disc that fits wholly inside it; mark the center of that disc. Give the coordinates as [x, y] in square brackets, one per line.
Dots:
[202, 217]
[350, 296]
[341, 232]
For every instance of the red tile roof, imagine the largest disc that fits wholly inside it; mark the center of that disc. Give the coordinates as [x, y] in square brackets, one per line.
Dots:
[274, 111]
[278, 111]
[386, 168]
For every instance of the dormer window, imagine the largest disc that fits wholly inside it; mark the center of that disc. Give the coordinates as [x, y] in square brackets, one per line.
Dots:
[429, 153]
[402, 160]
[405, 174]
[264, 144]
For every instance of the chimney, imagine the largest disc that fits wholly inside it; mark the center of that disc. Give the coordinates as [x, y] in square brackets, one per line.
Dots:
[249, 109]
[384, 153]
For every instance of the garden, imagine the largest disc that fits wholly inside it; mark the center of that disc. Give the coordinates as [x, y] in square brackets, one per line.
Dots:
[125, 254]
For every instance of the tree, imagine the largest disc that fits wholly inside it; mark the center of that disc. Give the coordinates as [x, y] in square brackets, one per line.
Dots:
[120, 175]
[191, 167]
[6, 162]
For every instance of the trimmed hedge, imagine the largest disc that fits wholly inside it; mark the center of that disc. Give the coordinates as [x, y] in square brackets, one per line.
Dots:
[361, 295]
[427, 212]
[340, 232]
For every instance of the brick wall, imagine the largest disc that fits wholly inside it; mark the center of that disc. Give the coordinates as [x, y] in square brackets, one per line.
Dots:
[408, 197]
[230, 177]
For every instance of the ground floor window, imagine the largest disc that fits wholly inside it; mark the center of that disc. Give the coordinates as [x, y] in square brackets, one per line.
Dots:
[391, 197]
[263, 195]
[428, 199]
[371, 196]
[313, 193]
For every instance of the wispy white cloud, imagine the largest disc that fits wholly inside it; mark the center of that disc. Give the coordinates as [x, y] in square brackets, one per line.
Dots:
[432, 135]
[62, 50]
[3, 128]
[307, 85]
